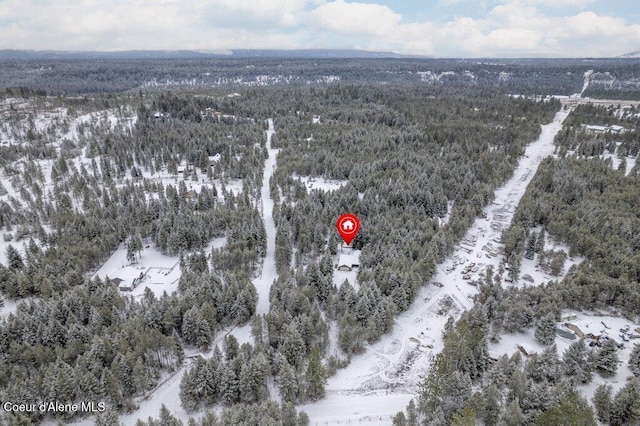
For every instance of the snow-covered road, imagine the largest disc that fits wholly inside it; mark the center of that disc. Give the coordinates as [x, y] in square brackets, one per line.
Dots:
[268, 274]
[381, 381]
[587, 76]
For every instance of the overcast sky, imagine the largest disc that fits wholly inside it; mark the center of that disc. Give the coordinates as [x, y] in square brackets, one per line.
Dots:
[441, 28]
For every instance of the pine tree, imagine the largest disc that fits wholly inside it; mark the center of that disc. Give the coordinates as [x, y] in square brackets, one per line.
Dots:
[228, 385]
[456, 392]
[625, 409]
[607, 358]
[544, 367]
[14, 258]
[109, 417]
[540, 241]
[283, 246]
[438, 418]
[634, 360]
[514, 267]
[288, 384]
[557, 263]
[492, 399]
[167, 419]
[577, 362]
[134, 245]
[293, 347]
[622, 167]
[412, 414]
[517, 318]
[602, 402]
[399, 419]
[467, 417]
[190, 395]
[512, 415]
[303, 419]
[288, 414]
[140, 377]
[546, 329]
[316, 376]
[572, 410]
[530, 248]
[536, 400]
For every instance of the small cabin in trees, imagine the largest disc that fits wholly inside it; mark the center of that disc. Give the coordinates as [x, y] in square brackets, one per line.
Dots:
[116, 281]
[130, 286]
[575, 329]
[566, 334]
[348, 262]
[524, 351]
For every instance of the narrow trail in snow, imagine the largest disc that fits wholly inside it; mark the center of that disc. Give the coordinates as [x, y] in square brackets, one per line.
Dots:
[268, 274]
[587, 76]
[380, 382]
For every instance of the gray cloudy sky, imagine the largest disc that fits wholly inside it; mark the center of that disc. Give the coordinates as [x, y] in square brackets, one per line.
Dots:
[565, 28]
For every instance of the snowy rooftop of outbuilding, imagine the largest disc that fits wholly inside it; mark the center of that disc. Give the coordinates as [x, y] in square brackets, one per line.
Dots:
[349, 260]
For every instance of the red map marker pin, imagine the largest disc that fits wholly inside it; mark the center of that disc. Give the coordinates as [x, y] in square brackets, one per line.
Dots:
[348, 226]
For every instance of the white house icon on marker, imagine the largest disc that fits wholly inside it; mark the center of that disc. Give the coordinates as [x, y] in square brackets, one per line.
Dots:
[348, 225]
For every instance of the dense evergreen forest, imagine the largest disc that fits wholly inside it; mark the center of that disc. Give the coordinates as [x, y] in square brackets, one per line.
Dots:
[581, 199]
[612, 78]
[386, 151]
[172, 158]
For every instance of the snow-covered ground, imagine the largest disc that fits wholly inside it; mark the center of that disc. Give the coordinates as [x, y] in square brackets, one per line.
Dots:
[381, 381]
[587, 75]
[600, 325]
[616, 160]
[9, 307]
[346, 255]
[320, 183]
[268, 273]
[18, 245]
[161, 272]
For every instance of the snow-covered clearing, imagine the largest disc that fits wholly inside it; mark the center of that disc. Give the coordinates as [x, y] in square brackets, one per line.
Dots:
[268, 273]
[9, 307]
[532, 274]
[381, 381]
[160, 272]
[345, 269]
[320, 183]
[587, 75]
[431, 77]
[600, 325]
[616, 160]
[4, 244]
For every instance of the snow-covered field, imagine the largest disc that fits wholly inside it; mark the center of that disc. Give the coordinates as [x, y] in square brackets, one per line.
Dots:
[381, 381]
[321, 183]
[597, 324]
[161, 272]
[9, 307]
[616, 160]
